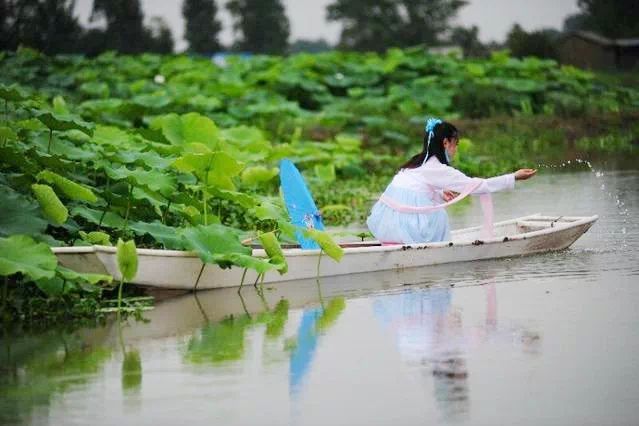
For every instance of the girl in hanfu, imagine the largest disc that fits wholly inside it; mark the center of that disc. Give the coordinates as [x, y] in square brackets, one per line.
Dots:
[411, 209]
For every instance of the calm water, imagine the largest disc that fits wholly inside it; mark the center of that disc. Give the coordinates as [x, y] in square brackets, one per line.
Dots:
[549, 339]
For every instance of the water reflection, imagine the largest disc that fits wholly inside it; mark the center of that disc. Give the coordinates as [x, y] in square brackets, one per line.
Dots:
[37, 369]
[314, 322]
[432, 338]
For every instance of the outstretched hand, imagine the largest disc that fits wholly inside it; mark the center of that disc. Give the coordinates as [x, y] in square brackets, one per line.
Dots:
[523, 174]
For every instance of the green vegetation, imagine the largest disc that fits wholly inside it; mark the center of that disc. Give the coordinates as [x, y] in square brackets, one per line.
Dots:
[176, 152]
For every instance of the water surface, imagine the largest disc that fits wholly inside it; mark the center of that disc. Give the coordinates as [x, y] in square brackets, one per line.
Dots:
[547, 339]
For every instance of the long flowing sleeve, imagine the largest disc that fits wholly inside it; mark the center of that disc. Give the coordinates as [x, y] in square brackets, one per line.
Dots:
[443, 177]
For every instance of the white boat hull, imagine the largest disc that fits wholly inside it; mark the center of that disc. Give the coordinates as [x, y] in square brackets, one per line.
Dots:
[184, 270]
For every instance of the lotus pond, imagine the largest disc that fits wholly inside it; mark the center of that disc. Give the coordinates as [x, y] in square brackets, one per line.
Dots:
[177, 152]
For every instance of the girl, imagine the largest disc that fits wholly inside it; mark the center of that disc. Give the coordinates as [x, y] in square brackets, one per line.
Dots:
[411, 209]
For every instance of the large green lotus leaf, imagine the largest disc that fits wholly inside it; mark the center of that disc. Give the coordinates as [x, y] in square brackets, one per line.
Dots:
[243, 135]
[154, 180]
[219, 165]
[110, 219]
[326, 242]
[163, 234]
[100, 106]
[245, 261]
[55, 121]
[7, 134]
[190, 128]
[148, 158]
[13, 93]
[127, 257]
[69, 188]
[52, 287]
[325, 172]
[96, 237]
[51, 205]
[19, 215]
[108, 135]
[258, 174]
[69, 274]
[204, 103]
[211, 240]
[95, 89]
[20, 253]
[245, 200]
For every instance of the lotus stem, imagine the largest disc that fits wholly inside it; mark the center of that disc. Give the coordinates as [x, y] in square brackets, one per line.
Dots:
[120, 297]
[166, 211]
[204, 200]
[199, 276]
[256, 280]
[317, 279]
[50, 139]
[104, 213]
[128, 207]
[5, 292]
[242, 281]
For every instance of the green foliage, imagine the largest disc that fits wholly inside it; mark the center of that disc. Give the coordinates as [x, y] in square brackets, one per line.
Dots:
[21, 254]
[69, 188]
[127, 259]
[331, 313]
[327, 244]
[51, 205]
[274, 251]
[131, 370]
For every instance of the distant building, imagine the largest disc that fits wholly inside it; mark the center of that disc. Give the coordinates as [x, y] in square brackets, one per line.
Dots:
[586, 49]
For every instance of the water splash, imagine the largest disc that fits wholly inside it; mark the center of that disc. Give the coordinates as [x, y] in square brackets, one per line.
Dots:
[600, 176]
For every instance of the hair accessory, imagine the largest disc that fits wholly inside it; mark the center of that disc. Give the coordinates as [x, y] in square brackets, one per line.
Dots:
[430, 129]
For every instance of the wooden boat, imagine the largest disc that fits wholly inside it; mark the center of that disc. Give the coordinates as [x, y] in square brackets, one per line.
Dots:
[171, 269]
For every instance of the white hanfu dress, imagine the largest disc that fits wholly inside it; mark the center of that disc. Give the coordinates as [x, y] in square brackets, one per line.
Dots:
[420, 187]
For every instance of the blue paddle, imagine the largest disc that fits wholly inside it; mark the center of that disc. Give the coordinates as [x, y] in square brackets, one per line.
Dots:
[299, 203]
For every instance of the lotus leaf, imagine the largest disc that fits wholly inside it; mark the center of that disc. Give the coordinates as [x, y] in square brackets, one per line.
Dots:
[274, 251]
[71, 189]
[51, 205]
[127, 257]
[19, 214]
[20, 253]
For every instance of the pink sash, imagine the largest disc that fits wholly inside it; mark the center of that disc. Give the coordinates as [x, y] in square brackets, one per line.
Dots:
[485, 200]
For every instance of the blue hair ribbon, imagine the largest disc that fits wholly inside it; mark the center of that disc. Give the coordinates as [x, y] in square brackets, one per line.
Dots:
[430, 129]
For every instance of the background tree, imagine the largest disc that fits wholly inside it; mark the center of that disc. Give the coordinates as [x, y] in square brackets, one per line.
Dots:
[160, 36]
[262, 24]
[611, 18]
[47, 25]
[540, 43]
[124, 24]
[378, 25]
[468, 40]
[201, 27]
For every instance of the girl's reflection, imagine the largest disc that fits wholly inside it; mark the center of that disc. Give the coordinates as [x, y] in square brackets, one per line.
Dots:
[429, 337]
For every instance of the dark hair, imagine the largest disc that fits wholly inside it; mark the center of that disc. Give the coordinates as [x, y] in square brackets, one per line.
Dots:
[443, 130]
